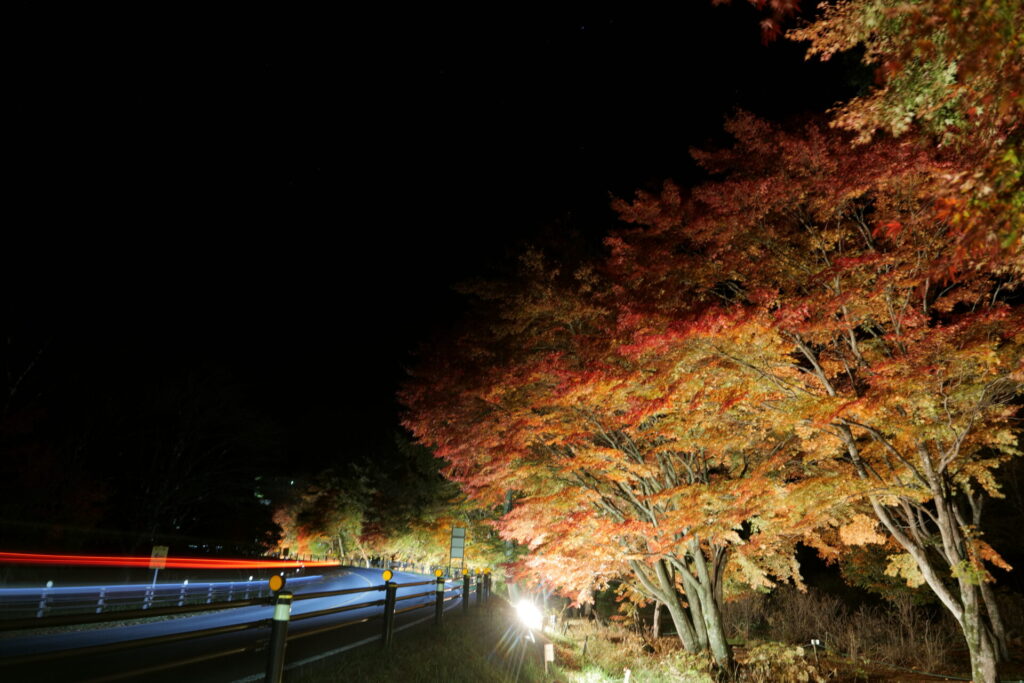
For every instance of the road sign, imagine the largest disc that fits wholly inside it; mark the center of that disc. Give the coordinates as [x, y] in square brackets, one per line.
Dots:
[458, 543]
[158, 560]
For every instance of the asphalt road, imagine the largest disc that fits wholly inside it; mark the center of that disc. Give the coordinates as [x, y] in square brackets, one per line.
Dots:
[248, 658]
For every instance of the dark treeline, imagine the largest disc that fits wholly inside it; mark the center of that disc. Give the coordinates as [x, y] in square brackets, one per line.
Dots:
[101, 457]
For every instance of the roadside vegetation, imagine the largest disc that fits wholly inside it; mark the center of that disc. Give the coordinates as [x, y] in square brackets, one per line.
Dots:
[817, 350]
[770, 634]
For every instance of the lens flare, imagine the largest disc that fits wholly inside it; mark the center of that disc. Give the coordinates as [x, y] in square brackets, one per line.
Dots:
[529, 614]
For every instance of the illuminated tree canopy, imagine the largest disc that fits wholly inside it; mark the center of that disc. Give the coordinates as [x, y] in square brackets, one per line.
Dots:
[823, 344]
[761, 360]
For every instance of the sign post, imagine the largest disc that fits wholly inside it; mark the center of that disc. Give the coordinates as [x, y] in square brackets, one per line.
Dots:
[157, 561]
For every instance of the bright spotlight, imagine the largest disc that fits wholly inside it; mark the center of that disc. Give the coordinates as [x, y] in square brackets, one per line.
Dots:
[529, 614]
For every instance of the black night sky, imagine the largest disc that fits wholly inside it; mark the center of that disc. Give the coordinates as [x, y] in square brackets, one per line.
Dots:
[279, 201]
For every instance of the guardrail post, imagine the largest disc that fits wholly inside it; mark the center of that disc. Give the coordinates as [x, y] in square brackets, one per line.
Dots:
[465, 592]
[438, 599]
[390, 591]
[278, 636]
[101, 600]
[181, 593]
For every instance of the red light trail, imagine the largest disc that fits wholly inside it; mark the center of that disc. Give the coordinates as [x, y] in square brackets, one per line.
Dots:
[169, 563]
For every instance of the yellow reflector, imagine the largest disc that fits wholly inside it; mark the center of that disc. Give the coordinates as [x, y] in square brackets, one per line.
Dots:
[276, 582]
[386, 575]
[437, 573]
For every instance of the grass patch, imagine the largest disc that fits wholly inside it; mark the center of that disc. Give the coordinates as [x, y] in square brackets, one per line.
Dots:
[476, 646]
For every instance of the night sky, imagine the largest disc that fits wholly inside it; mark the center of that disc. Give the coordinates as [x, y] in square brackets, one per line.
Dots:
[284, 200]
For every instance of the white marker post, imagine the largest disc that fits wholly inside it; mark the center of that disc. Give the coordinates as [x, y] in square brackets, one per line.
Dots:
[157, 561]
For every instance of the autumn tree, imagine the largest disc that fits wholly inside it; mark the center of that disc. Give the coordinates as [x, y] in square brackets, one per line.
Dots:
[627, 462]
[817, 273]
[949, 71]
[392, 503]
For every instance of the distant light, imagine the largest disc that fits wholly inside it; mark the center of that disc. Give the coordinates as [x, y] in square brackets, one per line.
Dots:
[185, 582]
[529, 614]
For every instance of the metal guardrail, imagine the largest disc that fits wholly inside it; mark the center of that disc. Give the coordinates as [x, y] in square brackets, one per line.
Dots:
[442, 592]
[22, 606]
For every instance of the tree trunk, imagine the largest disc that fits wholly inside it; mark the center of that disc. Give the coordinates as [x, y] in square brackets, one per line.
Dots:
[979, 642]
[715, 633]
[704, 590]
[697, 614]
[662, 587]
[964, 601]
[995, 619]
[656, 621]
[680, 619]
[684, 628]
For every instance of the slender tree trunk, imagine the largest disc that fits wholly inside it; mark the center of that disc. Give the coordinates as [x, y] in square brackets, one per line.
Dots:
[705, 591]
[662, 587]
[979, 641]
[717, 641]
[684, 628]
[656, 621]
[995, 619]
[695, 603]
[680, 619]
[699, 625]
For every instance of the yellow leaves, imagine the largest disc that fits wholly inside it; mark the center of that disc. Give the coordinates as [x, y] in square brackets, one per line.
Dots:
[730, 537]
[748, 572]
[903, 565]
[861, 530]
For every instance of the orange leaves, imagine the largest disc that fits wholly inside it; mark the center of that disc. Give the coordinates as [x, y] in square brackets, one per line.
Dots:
[712, 379]
[887, 229]
[861, 530]
[987, 553]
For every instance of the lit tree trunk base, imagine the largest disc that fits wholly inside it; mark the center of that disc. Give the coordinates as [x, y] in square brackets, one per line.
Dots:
[983, 655]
